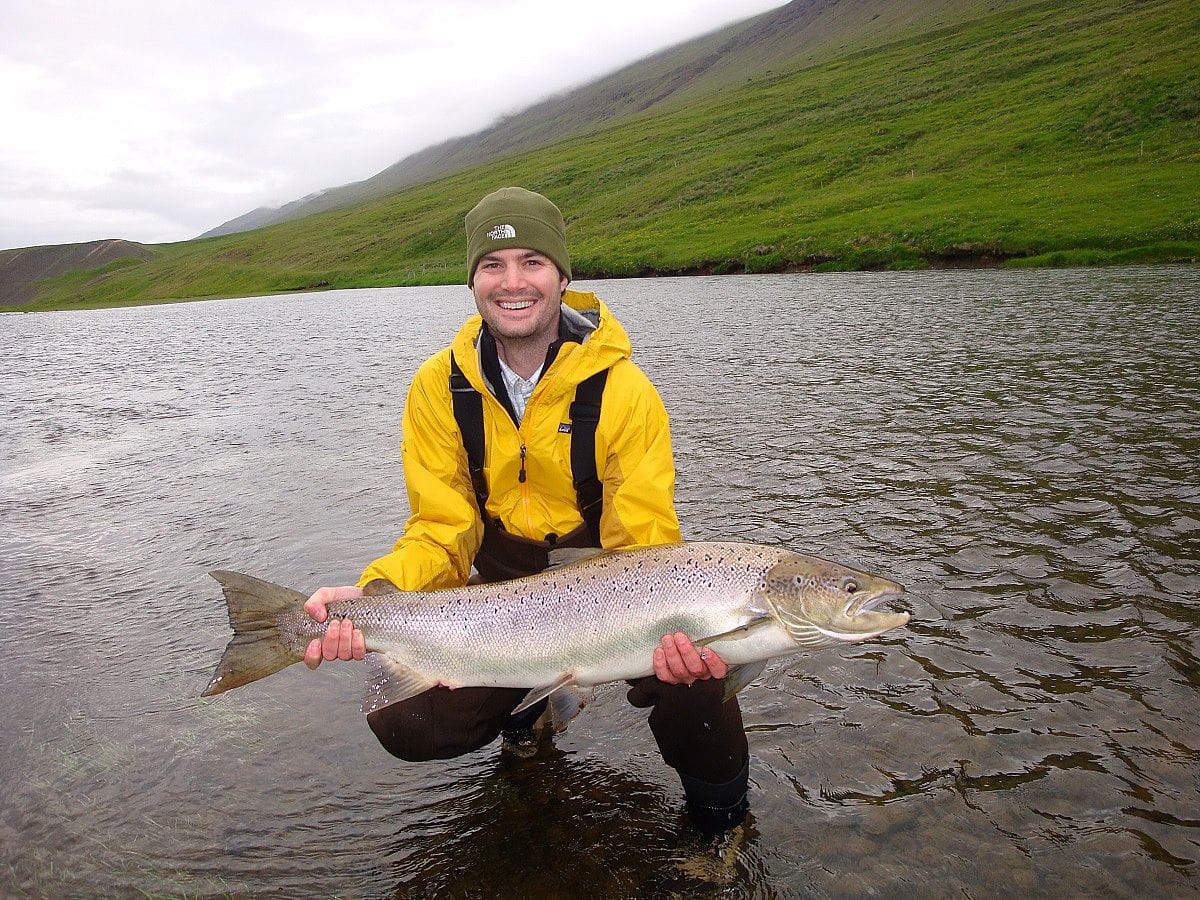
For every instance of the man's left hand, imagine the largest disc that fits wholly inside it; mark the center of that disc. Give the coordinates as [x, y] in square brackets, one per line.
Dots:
[677, 661]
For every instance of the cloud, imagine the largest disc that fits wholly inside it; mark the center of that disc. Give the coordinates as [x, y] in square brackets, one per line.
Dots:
[156, 121]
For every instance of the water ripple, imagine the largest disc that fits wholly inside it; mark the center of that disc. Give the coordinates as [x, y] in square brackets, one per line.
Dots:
[1018, 448]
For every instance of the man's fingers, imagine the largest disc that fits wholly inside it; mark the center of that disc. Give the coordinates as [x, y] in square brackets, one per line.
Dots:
[312, 654]
[678, 661]
[716, 665]
[659, 661]
[675, 665]
[346, 642]
[315, 607]
[341, 641]
[690, 656]
[333, 633]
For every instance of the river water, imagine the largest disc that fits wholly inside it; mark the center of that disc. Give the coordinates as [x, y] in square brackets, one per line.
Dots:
[1020, 449]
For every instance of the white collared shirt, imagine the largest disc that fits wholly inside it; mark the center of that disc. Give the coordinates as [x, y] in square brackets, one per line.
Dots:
[519, 389]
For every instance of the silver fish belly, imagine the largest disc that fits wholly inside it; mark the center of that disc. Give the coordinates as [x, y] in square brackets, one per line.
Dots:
[585, 623]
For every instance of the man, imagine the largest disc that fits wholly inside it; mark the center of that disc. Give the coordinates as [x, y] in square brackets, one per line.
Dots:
[535, 430]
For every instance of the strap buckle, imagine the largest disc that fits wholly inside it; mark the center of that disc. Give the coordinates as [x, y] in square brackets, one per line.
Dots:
[459, 383]
[584, 412]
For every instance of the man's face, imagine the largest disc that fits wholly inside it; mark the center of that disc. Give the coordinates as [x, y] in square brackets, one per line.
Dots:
[518, 293]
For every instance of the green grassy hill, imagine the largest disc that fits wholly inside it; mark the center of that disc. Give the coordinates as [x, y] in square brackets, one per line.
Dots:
[1041, 133]
[794, 34]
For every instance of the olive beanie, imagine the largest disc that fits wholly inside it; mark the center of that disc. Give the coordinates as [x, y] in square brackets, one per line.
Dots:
[515, 217]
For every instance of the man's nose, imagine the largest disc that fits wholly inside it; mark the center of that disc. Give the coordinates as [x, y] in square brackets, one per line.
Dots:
[514, 277]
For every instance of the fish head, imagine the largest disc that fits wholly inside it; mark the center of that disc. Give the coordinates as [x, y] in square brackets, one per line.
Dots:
[821, 602]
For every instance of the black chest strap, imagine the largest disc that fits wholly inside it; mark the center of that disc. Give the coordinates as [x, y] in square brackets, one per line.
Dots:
[468, 412]
[585, 417]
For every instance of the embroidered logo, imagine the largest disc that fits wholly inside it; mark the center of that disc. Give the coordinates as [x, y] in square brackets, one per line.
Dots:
[502, 232]
[564, 428]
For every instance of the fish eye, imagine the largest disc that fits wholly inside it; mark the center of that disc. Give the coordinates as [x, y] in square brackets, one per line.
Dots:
[850, 586]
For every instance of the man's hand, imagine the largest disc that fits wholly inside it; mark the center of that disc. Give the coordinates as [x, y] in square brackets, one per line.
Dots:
[342, 640]
[677, 661]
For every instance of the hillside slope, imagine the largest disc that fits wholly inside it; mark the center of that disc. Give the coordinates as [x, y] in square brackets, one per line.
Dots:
[798, 33]
[1042, 132]
[21, 270]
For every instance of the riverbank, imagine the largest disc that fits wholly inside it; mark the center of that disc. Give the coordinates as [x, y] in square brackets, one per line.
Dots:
[1045, 134]
[1170, 253]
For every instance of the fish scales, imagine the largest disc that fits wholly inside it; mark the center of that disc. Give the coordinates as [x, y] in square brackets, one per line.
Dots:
[504, 638]
[592, 621]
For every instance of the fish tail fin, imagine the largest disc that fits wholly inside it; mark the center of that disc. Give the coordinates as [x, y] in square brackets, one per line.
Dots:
[260, 647]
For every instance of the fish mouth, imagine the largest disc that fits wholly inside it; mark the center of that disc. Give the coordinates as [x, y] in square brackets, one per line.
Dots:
[869, 602]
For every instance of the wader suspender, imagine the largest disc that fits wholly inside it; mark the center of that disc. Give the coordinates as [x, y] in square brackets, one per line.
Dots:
[585, 416]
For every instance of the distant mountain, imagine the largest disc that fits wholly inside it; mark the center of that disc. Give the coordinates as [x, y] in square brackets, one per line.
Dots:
[20, 270]
[828, 134]
[705, 64]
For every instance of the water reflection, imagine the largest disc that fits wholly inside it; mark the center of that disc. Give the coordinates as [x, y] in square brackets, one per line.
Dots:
[564, 825]
[1018, 448]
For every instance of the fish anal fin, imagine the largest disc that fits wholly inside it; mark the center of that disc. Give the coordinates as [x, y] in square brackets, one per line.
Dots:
[391, 682]
[544, 691]
[565, 704]
[741, 676]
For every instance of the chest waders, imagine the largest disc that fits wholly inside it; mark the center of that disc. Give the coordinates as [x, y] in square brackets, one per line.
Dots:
[699, 734]
[503, 555]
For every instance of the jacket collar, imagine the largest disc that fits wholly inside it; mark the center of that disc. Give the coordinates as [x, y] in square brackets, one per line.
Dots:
[590, 339]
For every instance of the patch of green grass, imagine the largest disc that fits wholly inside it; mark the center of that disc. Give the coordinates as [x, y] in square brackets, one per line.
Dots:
[1044, 134]
[1167, 252]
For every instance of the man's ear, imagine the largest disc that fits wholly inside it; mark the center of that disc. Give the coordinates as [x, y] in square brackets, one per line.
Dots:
[563, 281]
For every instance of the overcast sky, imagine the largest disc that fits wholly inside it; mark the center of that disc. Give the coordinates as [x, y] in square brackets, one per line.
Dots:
[158, 120]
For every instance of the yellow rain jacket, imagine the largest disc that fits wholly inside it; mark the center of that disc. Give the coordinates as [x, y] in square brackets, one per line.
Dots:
[633, 458]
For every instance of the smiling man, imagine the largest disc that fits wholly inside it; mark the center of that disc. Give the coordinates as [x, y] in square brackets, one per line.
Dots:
[532, 431]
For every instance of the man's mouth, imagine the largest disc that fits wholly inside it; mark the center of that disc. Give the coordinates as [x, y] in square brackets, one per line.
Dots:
[515, 303]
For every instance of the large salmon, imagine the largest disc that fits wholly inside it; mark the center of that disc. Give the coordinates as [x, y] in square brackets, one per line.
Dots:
[578, 625]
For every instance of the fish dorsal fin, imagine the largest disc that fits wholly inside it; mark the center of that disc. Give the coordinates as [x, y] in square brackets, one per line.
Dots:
[565, 556]
[544, 691]
[390, 682]
[741, 676]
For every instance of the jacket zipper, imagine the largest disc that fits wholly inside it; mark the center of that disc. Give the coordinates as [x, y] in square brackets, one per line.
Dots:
[521, 477]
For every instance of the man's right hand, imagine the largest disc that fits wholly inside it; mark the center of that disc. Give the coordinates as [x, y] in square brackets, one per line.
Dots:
[342, 640]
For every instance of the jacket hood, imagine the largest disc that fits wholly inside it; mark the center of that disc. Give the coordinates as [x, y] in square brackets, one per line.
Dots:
[605, 344]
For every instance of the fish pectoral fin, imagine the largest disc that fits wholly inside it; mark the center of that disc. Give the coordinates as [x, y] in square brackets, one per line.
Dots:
[544, 691]
[733, 633]
[390, 682]
[741, 676]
